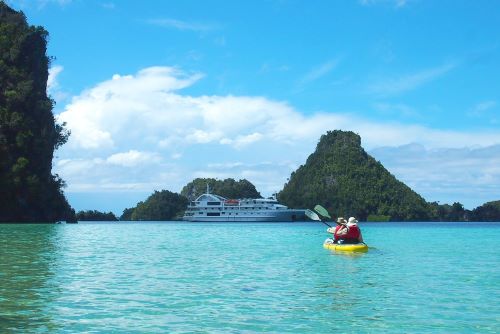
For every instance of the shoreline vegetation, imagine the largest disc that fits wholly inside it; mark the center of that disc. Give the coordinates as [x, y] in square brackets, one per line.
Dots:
[339, 175]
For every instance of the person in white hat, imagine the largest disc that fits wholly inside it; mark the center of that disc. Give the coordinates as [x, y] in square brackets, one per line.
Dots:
[352, 221]
[354, 232]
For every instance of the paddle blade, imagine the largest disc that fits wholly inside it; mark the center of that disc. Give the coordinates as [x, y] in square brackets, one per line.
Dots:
[312, 215]
[322, 211]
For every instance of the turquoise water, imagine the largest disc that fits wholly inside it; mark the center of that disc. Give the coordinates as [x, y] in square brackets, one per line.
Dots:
[245, 278]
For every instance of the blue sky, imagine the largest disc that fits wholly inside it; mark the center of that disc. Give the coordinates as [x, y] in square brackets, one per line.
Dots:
[157, 93]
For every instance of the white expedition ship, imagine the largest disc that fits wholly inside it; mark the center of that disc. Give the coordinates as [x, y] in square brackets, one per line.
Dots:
[214, 208]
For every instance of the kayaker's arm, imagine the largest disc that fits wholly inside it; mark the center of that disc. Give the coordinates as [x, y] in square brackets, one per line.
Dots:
[343, 230]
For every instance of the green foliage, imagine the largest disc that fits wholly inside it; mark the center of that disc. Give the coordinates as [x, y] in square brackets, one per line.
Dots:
[127, 214]
[489, 212]
[378, 218]
[94, 215]
[343, 178]
[28, 132]
[228, 188]
[448, 213]
[161, 205]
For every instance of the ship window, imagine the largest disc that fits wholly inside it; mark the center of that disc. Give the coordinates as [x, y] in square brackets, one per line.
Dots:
[201, 212]
[213, 213]
[213, 203]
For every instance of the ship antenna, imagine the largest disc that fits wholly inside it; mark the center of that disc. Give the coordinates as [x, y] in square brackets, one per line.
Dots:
[208, 188]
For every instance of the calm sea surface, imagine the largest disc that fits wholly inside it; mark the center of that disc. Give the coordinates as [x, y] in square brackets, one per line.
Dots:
[245, 278]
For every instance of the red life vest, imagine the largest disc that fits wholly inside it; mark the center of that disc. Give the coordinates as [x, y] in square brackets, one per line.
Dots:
[353, 232]
[337, 229]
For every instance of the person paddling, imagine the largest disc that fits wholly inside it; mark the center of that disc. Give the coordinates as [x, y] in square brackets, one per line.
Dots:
[346, 232]
[339, 231]
[354, 232]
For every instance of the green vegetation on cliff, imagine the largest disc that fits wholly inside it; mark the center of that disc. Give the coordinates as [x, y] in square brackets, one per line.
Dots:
[28, 132]
[341, 176]
[161, 205]
[228, 188]
[94, 215]
[488, 212]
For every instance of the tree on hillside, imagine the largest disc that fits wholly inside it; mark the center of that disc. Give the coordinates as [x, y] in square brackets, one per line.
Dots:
[161, 205]
[127, 214]
[488, 212]
[228, 188]
[94, 215]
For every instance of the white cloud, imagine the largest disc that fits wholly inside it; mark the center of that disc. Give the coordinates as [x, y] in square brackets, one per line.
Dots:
[396, 108]
[183, 25]
[481, 108]
[145, 121]
[132, 170]
[395, 3]
[317, 73]
[53, 87]
[132, 158]
[38, 3]
[108, 5]
[268, 176]
[52, 83]
[467, 175]
[393, 86]
[268, 68]
[109, 114]
[60, 2]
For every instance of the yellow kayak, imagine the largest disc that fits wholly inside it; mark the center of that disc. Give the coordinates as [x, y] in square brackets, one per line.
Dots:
[346, 247]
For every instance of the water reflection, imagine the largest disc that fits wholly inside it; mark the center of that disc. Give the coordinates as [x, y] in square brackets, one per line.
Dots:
[28, 255]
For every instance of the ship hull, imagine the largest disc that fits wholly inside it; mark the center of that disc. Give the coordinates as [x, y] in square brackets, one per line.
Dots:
[283, 216]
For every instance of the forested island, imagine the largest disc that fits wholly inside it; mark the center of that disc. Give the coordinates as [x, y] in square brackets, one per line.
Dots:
[161, 205]
[339, 174]
[345, 179]
[94, 215]
[28, 131]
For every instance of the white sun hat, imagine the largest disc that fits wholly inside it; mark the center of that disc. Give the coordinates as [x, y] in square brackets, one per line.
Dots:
[352, 221]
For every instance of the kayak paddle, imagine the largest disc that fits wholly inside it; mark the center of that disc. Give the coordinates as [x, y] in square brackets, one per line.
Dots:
[322, 211]
[314, 216]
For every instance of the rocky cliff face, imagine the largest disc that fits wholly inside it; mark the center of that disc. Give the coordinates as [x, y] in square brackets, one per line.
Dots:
[28, 132]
